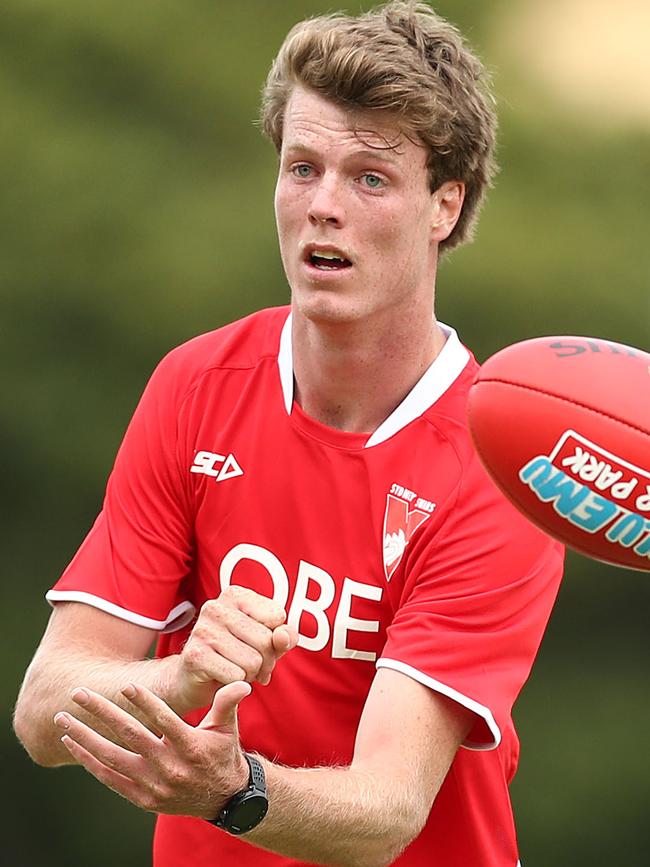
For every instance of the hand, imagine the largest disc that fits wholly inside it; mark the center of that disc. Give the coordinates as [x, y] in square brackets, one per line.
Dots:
[184, 770]
[238, 636]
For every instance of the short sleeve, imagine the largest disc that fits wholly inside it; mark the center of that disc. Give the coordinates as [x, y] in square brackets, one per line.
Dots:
[135, 557]
[476, 601]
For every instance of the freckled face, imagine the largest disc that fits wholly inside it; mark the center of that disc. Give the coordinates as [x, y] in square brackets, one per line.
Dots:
[367, 209]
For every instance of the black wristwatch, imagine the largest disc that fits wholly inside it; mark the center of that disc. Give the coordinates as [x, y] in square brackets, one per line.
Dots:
[247, 808]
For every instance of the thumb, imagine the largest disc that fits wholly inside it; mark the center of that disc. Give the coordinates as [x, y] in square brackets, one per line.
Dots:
[222, 716]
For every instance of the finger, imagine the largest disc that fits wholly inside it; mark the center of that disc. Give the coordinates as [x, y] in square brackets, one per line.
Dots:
[122, 724]
[157, 713]
[244, 625]
[284, 639]
[109, 777]
[224, 613]
[260, 608]
[204, 664]
[222, 716]
[106, 752]
[243, 643]
[241, 646]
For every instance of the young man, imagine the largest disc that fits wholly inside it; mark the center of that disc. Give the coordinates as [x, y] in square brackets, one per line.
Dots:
[297, 505]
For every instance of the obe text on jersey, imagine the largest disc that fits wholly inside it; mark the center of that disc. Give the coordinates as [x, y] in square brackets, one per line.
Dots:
[315, 589]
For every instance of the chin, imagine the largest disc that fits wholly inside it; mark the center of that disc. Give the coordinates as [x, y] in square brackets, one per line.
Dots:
[324, 306]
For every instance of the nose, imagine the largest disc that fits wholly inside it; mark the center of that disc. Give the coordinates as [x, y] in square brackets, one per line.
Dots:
[326, 205]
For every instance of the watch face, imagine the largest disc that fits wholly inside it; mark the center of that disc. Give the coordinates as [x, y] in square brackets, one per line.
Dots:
[247, 814]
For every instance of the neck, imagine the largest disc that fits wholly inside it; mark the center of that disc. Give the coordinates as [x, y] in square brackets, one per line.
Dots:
[352, 375]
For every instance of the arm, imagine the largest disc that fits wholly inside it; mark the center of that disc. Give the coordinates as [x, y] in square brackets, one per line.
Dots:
[238, 636]
[368, 813]
[81, 645]
[363, 815]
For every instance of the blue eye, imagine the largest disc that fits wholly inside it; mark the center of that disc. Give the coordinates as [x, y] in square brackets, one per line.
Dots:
[373, 181]
[302, 170]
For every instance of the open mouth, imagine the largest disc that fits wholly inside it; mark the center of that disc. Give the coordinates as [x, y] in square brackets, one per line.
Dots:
[324, 260]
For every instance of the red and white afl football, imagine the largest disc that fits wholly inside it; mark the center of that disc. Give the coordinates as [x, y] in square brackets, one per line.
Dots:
[562, 424]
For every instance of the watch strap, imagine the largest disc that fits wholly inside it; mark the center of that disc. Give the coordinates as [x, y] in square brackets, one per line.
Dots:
[254, 795]
[257, 778]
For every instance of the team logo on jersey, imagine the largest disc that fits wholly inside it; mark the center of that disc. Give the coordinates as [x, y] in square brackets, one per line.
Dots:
[405, 513]
[219, 467]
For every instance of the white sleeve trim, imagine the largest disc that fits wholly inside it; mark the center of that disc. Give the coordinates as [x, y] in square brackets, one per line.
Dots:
[484, 712]
[176, 619]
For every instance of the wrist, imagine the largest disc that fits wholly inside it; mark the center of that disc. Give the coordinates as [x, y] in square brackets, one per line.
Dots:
[171, 684]
[233, 781]
[248, 804]
[241, 774]
[180, 691]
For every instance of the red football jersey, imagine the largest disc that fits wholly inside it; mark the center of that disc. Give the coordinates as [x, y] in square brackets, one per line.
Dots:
[392, 549]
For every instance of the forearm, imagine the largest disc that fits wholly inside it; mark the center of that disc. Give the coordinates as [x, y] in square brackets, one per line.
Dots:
[47, 689]
[361, 816]
[348, 817]
[86, 647]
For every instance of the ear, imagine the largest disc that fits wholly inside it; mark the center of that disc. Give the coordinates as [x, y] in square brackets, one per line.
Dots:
[447, 203]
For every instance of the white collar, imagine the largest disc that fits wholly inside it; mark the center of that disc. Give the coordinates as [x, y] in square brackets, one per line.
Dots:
[434, 382]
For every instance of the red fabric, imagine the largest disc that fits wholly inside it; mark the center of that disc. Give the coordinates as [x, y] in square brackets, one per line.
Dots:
[460, 598]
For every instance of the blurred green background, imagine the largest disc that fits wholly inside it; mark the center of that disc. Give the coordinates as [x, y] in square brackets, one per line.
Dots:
[136, 211]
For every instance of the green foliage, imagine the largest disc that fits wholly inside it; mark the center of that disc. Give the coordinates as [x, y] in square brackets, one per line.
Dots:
[137, 212]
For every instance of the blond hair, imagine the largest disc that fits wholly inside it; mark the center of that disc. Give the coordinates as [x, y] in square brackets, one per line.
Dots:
[404, 59]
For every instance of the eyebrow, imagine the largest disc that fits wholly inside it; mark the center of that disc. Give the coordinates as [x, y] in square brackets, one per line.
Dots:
[383, 154]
